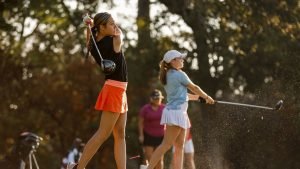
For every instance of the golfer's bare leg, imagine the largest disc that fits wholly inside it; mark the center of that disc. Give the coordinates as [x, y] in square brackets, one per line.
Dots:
[160, 164]
[178, 154]
[148, 153]
[189, 161]
[107, 123]
[120, 143]
[171, 133]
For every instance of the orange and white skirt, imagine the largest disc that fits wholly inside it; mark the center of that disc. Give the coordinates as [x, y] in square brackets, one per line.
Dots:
[112, 97]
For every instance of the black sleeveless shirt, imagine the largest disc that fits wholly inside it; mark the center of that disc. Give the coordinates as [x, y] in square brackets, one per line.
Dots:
[106, 49]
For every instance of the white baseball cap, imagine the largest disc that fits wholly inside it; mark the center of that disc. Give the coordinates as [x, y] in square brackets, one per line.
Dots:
[172, 54]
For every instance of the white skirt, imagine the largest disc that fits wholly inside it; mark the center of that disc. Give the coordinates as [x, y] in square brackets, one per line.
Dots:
[176, 117]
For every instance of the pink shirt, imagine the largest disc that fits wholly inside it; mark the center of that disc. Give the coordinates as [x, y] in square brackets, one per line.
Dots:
[152, 118]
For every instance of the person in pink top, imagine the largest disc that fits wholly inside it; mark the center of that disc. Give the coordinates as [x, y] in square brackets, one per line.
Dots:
[151, 132]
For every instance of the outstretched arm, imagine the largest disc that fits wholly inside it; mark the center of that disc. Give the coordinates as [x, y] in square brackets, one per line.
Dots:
[199, 92]
[193, 96]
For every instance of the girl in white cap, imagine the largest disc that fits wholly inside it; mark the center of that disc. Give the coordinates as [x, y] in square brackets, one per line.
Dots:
[175, 117]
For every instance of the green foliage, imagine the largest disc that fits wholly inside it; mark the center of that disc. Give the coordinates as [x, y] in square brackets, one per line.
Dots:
[247, 51]
[254, 43]
[39, 92]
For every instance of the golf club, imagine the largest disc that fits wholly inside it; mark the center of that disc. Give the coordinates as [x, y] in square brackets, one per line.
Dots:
[107, 66]
[276, 107]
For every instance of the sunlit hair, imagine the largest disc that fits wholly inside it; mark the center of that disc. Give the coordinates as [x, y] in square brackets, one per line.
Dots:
[164, 67]
[99, 19]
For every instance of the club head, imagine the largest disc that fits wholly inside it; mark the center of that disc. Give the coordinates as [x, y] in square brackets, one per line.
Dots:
[108, 66]
[278, 105]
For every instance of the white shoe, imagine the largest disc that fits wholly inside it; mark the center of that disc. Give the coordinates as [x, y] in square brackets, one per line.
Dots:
[71, 166]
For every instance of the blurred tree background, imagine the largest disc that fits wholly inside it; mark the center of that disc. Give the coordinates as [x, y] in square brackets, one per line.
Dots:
[243, 51]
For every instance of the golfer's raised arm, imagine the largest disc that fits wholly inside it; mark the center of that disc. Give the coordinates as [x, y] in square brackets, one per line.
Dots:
[118, 41]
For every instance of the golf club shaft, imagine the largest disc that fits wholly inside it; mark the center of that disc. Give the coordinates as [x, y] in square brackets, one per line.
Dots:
[94, 41]
[245, 105]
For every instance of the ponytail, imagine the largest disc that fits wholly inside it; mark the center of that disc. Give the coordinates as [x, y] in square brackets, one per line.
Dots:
[164, 67]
